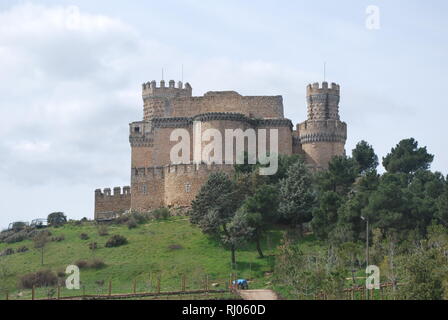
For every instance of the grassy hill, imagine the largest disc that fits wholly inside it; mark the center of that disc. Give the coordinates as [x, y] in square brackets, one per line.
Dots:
[167, 249]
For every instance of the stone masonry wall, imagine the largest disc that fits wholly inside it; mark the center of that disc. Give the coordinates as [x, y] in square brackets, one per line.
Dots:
[108, 205]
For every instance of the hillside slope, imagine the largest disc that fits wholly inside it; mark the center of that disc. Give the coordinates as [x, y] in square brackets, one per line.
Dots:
[167, 249]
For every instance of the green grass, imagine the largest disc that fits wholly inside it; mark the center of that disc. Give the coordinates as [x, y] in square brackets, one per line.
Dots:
[144, 259]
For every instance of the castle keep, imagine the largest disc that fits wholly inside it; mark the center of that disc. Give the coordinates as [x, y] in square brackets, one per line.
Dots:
[156, 182]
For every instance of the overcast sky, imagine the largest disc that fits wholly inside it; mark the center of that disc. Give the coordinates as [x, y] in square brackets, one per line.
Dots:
[71, 74]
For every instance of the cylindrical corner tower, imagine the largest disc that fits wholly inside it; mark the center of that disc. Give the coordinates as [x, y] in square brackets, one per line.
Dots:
[323, 135]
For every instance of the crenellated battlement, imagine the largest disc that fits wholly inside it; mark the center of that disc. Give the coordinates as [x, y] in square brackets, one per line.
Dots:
[151, 90]
[161, 172]
[323, 101]
[109, 205]
[317, 88]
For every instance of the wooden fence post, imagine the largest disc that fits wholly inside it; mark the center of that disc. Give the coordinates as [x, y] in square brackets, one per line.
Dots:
[183, 283]
[7, 295]
[32, 293]
[59, 292]
[134, 288]
[110, 288]
[158, 283]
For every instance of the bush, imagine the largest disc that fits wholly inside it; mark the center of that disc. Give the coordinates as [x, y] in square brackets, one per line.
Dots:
[103, 231]
[97, 264]
[132, 224]
[22, 249]
[84, 236]
[7, 252]
[58, 238]
[17, 237]
[82, 264]
[93, 246]
[44, 278]
[162, 213]
[94, 264]
[116, 241]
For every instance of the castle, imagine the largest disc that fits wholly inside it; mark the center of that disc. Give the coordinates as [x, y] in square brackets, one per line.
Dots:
[156, 182]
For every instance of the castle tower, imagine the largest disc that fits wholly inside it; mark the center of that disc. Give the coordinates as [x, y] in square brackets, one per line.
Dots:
[156, 99]
[322, 135]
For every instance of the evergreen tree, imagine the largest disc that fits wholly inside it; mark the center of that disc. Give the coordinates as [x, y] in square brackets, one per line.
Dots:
[261, 212]
[407, 157]
[296, 195]
[214, 208]
[365, 157]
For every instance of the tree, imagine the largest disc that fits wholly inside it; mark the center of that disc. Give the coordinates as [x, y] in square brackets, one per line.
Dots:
[365, 157]
[388, 205]
[325, 216]
[238, 232]
[296, 195]
[40, 241]
[341, 174]
[56, 219]
[261, 212]
[423, 274]
[214, 208]
[442, 207]
[350, 227]
[407, 157]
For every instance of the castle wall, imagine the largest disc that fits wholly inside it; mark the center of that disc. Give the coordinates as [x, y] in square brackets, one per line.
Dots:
[108, 205]
[253, 107]
[172, 185]
[148, 188]
[170, 101]
[183, 182]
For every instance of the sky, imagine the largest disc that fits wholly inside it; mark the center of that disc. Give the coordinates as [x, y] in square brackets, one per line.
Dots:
[71, 75]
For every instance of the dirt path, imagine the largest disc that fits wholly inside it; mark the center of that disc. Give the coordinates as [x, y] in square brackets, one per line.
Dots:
[258, 294]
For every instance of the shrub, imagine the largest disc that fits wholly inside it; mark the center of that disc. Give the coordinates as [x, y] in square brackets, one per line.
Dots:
[84, 236]
[61, 274]
[103, 231]
[94, 264]
[7, 252]
[162, 213]
[22, 249]
[82, 264]
[97, 264]
[58, 238]
[17, 237]
[93, 246]
[132, 224]
[116, 241]
[44, 278]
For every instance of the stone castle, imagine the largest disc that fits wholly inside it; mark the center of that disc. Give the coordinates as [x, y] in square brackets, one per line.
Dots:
[156, 182]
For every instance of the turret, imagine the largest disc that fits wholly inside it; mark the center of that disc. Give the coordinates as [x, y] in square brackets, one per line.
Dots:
[323, 102]
[323, 135]
[156, 99]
